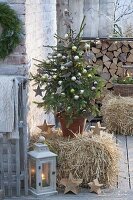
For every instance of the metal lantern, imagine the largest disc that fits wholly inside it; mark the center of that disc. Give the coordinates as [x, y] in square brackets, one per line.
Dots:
[128, 71]
[42, 171]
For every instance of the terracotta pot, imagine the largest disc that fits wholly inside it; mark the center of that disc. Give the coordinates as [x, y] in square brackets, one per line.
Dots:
[77, 126]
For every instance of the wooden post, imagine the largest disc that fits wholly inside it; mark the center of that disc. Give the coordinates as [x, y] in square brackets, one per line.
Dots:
[2, 194]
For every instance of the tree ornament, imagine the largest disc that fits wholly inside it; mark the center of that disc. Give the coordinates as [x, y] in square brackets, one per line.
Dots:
[93, 88]
[63, 57]
[54, 70]
[66, 36]
[45, 126]
[71, 184]
[62, 67]
[95, 186]
[89, 75]
[38, 91]
[45, 76]
[68, 108]
[74, 48]
[54, 76]
[73, 78]
[11, 30]
[72, 90]
[79, 74]
[84, 71]
[47, 62]
[59, 55]
[63, 94]
[76, 58]
[76, 97]
[81, 91]
[95, 82]
[59, 82]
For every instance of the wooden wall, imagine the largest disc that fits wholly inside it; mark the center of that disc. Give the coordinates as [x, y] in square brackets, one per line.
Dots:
[99, 16]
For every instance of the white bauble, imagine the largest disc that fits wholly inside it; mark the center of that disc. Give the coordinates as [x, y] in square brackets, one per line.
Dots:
[66, 36]
[81, 91]
[45, 76]
[76, 58]
[74, 48]
[84, 71]
[54, 70]
[93, 88]
[54, 76]
[73, 78]
[79, 74]
[62, 67]
[95, 82]
[63, 57]
[63, 94]
[76, 97]
[59, 55]
[59, 82]
[47, 61]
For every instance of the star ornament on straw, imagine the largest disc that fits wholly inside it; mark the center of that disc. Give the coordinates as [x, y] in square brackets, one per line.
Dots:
[71, 184]
[97, 129]
[46, 127]
[95, 186]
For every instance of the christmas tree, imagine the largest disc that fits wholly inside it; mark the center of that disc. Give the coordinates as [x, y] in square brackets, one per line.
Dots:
[71, 84]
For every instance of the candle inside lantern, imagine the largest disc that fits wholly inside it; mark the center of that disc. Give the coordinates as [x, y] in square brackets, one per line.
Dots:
[33, 177]
[44, 183]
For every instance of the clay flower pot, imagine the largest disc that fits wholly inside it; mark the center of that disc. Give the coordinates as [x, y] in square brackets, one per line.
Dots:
[76, 127]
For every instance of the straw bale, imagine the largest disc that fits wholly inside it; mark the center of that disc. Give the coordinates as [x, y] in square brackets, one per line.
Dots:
[117, 114]
[87, 157]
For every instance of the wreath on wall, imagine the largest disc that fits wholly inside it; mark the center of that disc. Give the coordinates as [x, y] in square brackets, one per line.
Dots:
[11, 30]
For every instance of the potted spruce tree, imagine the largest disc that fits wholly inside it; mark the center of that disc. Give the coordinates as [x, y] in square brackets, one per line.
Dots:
[71, 85]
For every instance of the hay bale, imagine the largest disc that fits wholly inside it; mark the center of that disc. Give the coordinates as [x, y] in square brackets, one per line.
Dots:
[117, 114]
[87, 158]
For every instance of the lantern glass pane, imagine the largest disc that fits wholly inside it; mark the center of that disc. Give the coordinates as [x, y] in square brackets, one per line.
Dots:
[33, 173]
[45, 174]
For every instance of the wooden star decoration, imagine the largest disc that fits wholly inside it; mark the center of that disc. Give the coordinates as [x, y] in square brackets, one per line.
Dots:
[71, 184]
[45, 127]
[38, 91]
[95, 186]
[97, 129]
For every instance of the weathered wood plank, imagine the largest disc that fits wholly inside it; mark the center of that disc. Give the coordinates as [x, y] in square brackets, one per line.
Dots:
[91, 11]
[17, 168]
[61, 6]
[1, 164]
[9, 169]
[76, 10]
[106, 18]
[130, 157]
[25, 135]
[13, 69]
[123, 179]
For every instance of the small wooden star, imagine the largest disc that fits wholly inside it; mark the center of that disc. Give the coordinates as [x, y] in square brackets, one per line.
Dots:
[45, 127]
[95, 186]
[38, 91]
[97, 129]
[71, 184]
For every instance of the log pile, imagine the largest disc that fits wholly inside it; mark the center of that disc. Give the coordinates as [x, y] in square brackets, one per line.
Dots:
[110, 56]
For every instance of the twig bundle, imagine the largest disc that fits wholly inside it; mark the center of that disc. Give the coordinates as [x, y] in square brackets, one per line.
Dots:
[118, 114]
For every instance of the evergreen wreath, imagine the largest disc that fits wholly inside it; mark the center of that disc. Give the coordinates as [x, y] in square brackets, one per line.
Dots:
[11, 30]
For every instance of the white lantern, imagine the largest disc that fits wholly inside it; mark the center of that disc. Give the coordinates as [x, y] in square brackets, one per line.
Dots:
[42, 171]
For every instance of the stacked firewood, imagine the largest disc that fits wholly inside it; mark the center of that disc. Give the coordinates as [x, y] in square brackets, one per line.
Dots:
[110, 56]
